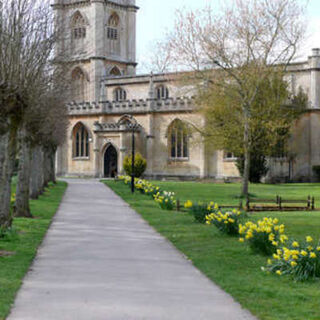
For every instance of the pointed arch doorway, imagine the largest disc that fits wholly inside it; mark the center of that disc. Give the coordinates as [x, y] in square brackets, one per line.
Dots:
[110, 162]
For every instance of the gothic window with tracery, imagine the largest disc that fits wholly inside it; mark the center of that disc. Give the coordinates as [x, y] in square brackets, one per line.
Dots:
[120, 95]
[81, 142]
[178, 141]
[79, 32]
[162, 92]
[112, 29]
[79, 85]
[113, 34]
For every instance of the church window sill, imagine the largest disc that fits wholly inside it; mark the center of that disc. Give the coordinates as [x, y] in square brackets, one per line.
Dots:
[80, 158]
[178, 160]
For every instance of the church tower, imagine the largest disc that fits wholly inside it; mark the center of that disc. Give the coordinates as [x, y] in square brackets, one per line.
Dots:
[98, 41]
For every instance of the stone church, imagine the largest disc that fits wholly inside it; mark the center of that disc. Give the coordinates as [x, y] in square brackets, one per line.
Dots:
[108, 98]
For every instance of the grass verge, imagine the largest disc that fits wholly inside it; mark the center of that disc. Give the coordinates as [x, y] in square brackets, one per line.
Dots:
[227, 262]
[21, 244]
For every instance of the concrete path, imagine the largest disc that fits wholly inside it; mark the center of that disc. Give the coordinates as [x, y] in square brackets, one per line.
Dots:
[101, 261]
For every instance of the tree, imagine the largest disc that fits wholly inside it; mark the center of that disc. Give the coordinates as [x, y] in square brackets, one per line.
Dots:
[271, 116]
[238, 56]
[27, 41]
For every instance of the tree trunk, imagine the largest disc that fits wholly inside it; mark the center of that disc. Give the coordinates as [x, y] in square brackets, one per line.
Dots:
[46, 167]
[41, 172]
[22, 208]
[246, 171]
[52, 166]
[35, 168]
[7, 158]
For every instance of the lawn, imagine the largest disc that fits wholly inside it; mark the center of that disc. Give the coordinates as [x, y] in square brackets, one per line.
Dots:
[229, 263]
[23, 242]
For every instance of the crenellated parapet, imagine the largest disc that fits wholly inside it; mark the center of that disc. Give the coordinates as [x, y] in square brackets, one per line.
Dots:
[180, 104]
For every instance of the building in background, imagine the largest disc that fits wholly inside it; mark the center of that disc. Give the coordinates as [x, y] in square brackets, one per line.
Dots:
[100, 43]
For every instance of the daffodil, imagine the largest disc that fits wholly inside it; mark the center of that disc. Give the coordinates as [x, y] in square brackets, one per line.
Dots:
[312, 255]
[309, 239]
[304, 253]
[295, 244]
[293, 263]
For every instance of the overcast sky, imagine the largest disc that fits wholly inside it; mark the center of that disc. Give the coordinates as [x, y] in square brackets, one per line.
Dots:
[155, 17]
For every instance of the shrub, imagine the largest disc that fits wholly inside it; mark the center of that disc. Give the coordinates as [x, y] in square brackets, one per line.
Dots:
[140, 165]
[165, 200]
[264, 236]
[316, 170]
[302, 262]
[258, 166]
[226, 222]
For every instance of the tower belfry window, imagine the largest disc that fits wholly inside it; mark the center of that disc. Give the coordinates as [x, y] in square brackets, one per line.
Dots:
[113, 24]
[78, 32]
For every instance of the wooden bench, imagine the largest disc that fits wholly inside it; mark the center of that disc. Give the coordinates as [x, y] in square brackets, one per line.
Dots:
[280, 204]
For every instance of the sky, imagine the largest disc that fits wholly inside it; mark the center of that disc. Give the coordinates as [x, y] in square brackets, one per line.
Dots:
[156, 18]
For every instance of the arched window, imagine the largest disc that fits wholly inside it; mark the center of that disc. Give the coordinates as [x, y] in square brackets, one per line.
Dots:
[115, 72]
[78, 32]
[178, 141]
[79, 85]
[162, 92]
[120, 94]
[112, 30]
[80, 142]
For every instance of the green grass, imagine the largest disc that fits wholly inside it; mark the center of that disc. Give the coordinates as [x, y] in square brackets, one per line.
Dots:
[23, 243]
[229, 263]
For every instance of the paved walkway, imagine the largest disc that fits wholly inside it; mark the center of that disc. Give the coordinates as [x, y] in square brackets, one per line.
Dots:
[101, 261]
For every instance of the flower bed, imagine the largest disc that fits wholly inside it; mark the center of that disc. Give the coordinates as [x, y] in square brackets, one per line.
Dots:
[301, 261]
[228, 222]
[266, 236]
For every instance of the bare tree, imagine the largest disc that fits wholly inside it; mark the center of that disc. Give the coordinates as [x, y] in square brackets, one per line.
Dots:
[27, 41]
[236, 49]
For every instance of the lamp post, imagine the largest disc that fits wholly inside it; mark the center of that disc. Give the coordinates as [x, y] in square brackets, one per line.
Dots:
[133, 125]
[133, 158]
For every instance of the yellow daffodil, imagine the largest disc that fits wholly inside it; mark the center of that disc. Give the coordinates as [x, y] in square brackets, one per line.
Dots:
[304, 253]
[312, 255]
[309, 239]
[295, 244]
[293, 263]
[271, 237]
[188, 204]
